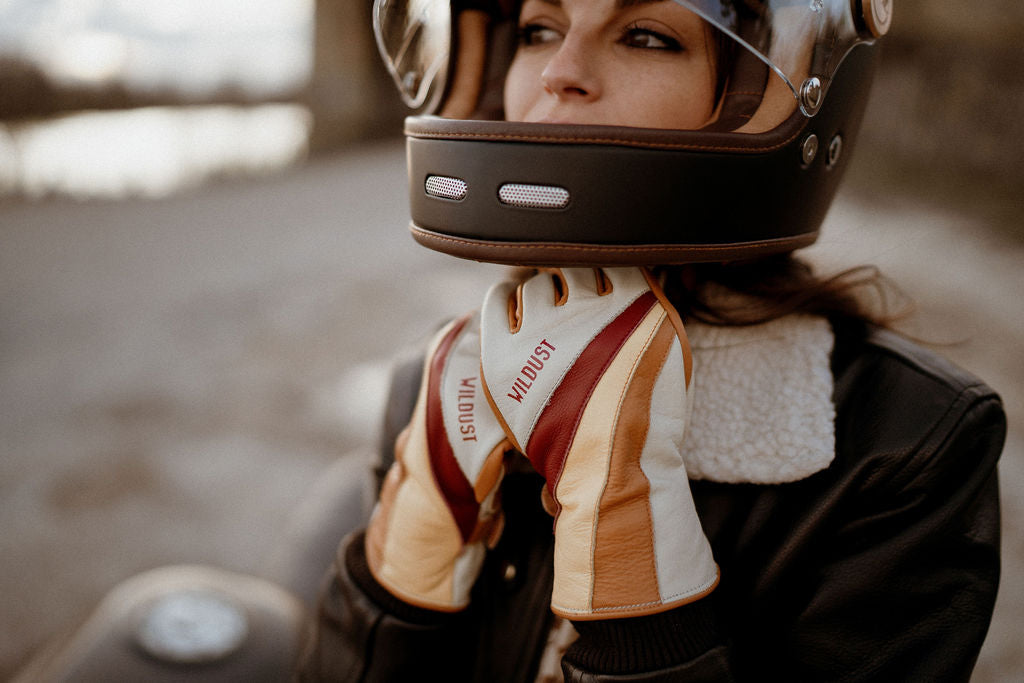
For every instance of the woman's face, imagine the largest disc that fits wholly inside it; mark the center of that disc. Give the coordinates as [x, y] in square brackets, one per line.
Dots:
[645, 63]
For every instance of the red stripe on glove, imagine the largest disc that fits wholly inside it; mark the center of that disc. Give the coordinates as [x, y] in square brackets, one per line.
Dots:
[552, 436]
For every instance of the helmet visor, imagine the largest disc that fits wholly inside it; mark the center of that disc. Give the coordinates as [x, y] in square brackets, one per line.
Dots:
[415, 38]
[802, 41]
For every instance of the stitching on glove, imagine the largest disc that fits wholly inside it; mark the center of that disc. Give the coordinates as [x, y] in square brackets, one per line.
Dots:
[692, 594]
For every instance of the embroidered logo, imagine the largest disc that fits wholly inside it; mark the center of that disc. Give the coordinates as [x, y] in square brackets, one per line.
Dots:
[467, 405]
[528, 375]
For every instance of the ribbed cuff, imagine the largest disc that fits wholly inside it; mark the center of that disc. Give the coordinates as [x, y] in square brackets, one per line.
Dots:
[359, 569]
[639, 644]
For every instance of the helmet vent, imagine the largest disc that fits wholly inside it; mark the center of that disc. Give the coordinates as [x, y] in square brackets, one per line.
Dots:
[533, 196]
[445, 187]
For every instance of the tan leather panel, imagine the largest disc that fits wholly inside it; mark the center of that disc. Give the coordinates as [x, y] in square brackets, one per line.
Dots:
[377, 529]
[376, 532]
[421, 563]
[492, 470]
[418, 568]
[585, 471]
[624, 514]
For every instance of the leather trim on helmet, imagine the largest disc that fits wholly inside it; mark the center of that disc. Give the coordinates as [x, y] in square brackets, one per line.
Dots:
[568, 254]
[431, 127]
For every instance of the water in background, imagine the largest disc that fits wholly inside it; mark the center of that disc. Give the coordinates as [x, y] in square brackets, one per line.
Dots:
[150, 152]
[192, 47]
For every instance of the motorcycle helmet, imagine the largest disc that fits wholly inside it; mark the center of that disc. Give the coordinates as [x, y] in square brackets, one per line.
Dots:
[757, 178]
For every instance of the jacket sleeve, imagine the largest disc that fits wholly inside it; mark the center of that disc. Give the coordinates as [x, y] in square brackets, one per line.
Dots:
[683, 644]
[907, 585]
[362, 633]
[897, 582]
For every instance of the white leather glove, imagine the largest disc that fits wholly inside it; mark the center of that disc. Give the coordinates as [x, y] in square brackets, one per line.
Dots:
[589, 369]
[437, 510]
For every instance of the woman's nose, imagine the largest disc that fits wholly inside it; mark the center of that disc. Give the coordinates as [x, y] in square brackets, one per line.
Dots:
[569, 74]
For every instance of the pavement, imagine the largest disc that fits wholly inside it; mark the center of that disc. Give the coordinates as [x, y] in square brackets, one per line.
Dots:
[176, 374]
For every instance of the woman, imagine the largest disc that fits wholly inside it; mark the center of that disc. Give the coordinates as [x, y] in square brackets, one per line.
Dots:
[749, 477]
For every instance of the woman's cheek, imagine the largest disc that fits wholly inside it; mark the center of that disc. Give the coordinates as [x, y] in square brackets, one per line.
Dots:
[519, 82]
[690, 104]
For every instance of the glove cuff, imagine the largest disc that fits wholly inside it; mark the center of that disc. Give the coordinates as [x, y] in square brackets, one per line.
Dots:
[658, 641]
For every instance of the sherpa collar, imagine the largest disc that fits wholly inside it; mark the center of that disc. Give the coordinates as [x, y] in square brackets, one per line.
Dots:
[762, 407]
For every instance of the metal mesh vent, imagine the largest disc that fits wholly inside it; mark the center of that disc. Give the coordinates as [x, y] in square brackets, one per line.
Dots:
[446, 187]
[534, 196]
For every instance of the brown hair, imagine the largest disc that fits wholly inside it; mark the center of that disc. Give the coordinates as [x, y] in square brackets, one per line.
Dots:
[771, 288]
[776, 286]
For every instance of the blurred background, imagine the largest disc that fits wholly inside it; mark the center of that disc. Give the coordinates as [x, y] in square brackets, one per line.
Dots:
[204, 271]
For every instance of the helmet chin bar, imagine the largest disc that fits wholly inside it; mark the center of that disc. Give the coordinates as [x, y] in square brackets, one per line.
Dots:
[602, 195]
[569, 254]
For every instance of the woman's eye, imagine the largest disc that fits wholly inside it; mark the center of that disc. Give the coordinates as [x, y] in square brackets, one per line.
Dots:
[649, 40]
[537, 34]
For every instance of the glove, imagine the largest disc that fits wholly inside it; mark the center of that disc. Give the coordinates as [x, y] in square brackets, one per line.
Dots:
[438, 504]
[589, 371]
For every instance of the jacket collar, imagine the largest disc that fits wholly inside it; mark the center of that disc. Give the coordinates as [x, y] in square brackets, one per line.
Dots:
[762, 408]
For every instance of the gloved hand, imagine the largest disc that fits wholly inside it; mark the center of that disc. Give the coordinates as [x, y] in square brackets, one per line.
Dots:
[437, 510]
[589, 371]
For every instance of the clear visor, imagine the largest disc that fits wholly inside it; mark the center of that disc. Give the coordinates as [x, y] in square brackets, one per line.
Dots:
[415, 38]
[802, 41]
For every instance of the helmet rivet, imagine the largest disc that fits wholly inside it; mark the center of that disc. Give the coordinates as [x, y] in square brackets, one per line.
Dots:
[809, 150]
[835, 150]
[810, 94]
[878, 16]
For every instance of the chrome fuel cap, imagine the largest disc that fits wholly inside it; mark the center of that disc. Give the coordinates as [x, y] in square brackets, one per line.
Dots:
[191, 627]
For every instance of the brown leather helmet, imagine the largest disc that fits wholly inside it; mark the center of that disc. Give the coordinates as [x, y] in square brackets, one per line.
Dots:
[794, 77]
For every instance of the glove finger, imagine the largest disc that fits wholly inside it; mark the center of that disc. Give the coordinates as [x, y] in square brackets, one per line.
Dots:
[544, 291]
[523, 369]
[500, 311]
[584, 284]
[628, 279]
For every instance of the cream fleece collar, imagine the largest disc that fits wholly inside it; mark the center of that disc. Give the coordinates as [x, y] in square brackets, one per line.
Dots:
[762, 403]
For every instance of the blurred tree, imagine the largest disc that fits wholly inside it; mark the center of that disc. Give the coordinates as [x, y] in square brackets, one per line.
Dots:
[350, 93]
[24, 89]
[945, 112]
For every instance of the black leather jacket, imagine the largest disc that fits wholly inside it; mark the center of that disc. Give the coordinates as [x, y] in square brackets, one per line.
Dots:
[883, 567]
